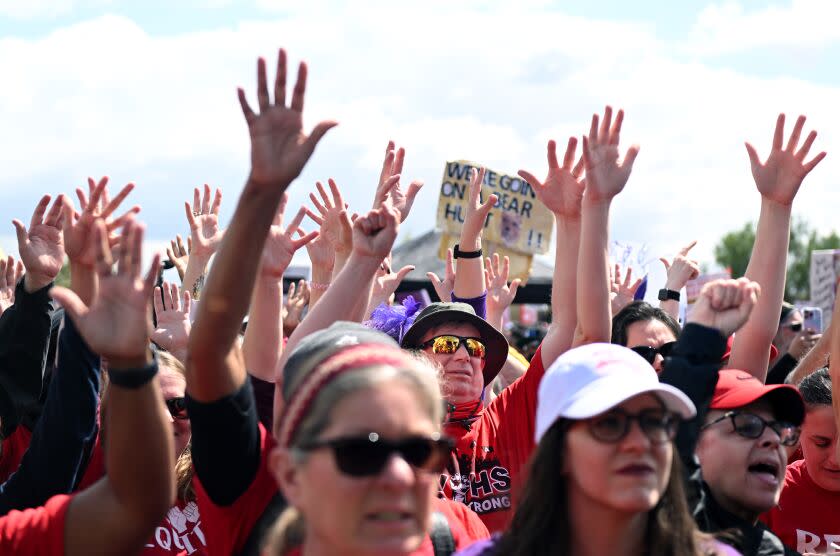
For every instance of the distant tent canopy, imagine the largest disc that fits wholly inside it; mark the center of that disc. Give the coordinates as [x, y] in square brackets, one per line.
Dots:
[422, 252]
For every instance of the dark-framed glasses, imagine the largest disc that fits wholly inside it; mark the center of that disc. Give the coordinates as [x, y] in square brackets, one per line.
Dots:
[750, 425]
[177, 407]
[658, 425]
[366, 456]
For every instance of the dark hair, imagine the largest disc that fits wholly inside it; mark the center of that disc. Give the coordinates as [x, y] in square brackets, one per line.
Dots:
[816, 388]
[540, 525]
[636, 312]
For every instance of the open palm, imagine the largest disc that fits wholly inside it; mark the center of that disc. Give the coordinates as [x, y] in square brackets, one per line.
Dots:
[41, 247]
[562, 190]
[279, 147]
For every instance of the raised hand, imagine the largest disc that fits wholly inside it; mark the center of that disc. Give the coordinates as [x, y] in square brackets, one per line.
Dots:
[332, 217]
[476, 213]
[279, 148]
[779, 177]
[204, 222]
[78, 226]
[280, 246]
[622, 291]
[499, 294]
[41, 247]
[117, 322]
[179, 255]
[10, 273]
[389, 190]
[444, 287]
[680, 269]
[297, 298]
[173, 319]
[375, 232]
[562, 190]
[606, 176]
[386, 283]
[725, 304]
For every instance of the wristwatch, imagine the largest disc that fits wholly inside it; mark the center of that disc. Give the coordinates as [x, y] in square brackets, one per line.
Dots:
[458, 254]
[668, 295]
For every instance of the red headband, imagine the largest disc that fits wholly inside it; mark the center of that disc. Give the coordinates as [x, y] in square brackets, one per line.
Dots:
[302, 397]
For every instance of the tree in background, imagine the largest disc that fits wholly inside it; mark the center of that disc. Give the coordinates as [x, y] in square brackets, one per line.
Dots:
[734, 249]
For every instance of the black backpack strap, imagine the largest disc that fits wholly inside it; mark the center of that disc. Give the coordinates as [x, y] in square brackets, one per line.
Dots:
[442, 540]
[272, 511]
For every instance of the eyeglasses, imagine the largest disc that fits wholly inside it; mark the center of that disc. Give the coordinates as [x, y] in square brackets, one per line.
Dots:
[366, 456]
[649, 353]
[659, 426]
[750, 425]
[177, 408]
[448, 344]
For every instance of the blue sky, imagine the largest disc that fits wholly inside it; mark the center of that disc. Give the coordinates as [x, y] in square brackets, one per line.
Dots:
[145, 91]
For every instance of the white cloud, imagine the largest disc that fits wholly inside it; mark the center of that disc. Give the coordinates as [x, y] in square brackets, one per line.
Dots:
[492, 85]
[729, 27]
[30, 9]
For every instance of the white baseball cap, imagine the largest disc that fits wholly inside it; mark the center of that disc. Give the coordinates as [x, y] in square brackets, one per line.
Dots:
[591, 379]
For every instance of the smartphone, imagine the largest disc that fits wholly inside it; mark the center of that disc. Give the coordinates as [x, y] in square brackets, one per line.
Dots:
[812, 319]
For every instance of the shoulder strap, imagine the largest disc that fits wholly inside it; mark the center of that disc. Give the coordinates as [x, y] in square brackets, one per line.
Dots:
[442, 540]
[272, 511]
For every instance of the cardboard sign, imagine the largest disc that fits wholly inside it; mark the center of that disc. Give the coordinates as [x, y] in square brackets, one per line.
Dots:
[520, 265]
[825, 269]
[518, 222]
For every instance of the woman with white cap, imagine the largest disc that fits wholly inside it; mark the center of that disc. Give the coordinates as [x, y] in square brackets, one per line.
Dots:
[604, 478]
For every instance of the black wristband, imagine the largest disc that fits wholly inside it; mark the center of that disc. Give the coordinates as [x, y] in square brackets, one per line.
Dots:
[133, 378]
[458, 254]
[668, 295]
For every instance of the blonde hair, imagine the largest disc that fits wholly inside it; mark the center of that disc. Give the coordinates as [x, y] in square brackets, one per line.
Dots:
[183, 466]
[290, 529]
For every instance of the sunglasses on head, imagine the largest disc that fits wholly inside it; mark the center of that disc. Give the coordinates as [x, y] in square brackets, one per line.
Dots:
[658, 425]
[177, 408]
[448, 344]
[750, 425]
[649, 353]
[366, 456]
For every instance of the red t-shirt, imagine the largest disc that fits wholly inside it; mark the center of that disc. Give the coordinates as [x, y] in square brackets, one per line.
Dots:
[227, 528]
[12, 452]
[36, 531]
[807, 517]
[490, 456]
[179, 534]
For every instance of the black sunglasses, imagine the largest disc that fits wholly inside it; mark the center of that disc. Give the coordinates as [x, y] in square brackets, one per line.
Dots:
[366, 456]
[658, 425]
[449, 343]
[649, 353]
[795, 327]
[750, 425]
[177, 408]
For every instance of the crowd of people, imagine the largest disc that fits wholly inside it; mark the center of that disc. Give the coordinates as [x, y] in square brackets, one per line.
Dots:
[218, 416]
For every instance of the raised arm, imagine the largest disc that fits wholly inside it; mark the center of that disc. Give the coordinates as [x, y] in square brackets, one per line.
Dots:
[336, 231]
[373, 236]
[279, 151]
[25, 326]
[679, 271]
[172, 308]
[124, 507]
[778, 180]
[263, 342]
[834, 372]
[500, 295]
[606, 177]
[469, 272]
[205, 237]
[622, 290]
